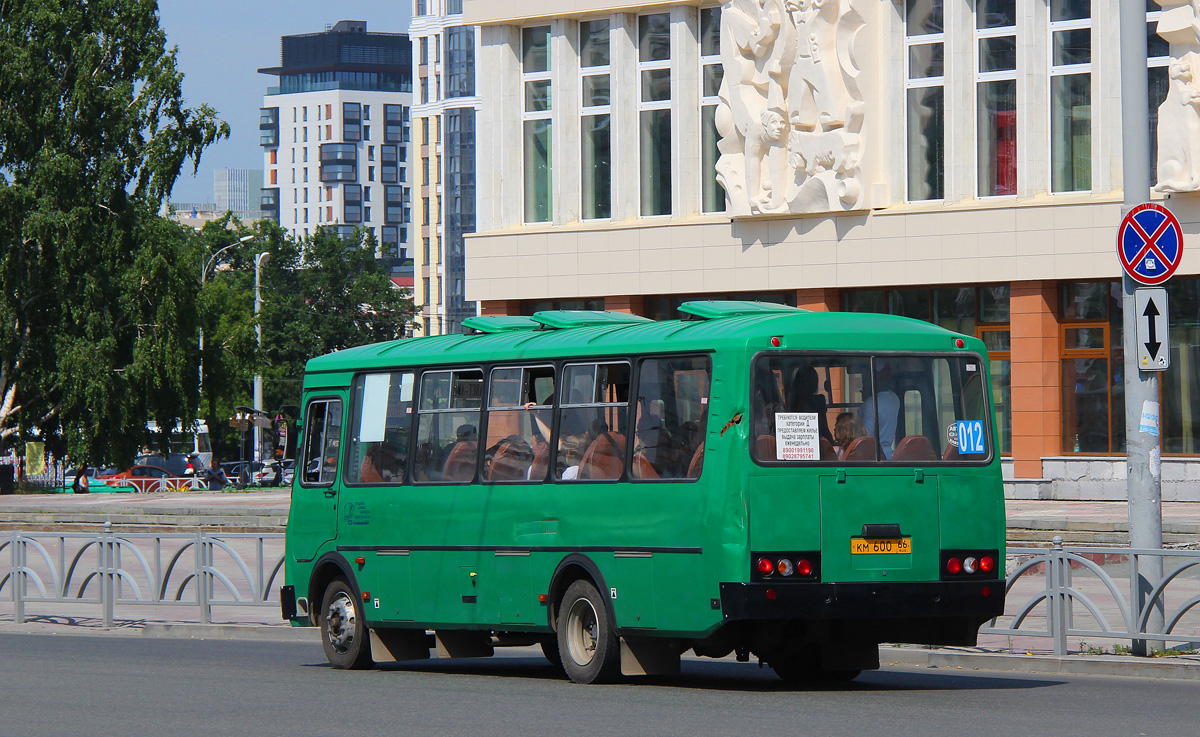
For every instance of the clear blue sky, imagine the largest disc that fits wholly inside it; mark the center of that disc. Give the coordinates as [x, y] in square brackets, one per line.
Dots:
[223, 43]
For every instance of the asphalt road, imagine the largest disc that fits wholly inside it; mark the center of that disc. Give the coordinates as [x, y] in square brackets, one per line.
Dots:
[53, 685]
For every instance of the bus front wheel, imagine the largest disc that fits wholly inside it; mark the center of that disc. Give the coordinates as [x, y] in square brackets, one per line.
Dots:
[587, 643]
[343, 631]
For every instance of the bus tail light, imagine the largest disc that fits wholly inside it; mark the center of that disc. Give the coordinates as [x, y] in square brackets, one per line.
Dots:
[785, 566]
[969, 564]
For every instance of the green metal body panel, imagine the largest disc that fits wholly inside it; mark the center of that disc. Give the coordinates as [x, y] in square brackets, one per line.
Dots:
[662, 548]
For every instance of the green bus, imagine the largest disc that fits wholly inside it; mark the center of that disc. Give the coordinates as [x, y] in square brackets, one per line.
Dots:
[752, 479]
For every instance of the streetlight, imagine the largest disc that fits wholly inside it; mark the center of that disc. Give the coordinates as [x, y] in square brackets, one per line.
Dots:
[259, 261]
[203, 277]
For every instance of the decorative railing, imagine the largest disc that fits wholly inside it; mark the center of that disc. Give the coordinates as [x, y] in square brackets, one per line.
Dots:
[1100, 592]
[201, 570]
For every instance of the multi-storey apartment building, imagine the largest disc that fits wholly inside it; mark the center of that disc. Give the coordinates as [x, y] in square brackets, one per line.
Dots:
[335, 135]
[444, 117]
[954, 161]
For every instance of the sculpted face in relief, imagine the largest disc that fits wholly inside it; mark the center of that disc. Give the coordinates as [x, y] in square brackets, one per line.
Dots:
[791, 112]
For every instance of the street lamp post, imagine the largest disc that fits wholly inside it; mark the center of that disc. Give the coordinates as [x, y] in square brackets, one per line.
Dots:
[259, 261]
[203, 278]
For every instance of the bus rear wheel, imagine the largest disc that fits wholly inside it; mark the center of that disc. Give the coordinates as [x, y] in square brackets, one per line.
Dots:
[587, 643]
[343, 631]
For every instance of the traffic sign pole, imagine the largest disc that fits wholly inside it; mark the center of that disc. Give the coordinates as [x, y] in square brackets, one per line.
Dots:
[1143, 453]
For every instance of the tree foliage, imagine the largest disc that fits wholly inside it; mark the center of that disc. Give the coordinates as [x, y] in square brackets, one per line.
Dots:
[99, 307]
[320, 294]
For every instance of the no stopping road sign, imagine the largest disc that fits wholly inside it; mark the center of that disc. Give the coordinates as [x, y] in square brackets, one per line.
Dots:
[1150, 244]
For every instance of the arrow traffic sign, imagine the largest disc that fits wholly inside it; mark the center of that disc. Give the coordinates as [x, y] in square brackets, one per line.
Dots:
[1150, 244]
[1153, 347]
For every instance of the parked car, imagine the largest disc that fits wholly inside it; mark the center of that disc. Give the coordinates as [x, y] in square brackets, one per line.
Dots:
[267, 475]
[150, 478]
[177, 464]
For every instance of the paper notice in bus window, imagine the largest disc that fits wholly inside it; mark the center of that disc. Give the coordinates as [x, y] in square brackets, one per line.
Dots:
[406, 387]
[373, 423]
[797, 436]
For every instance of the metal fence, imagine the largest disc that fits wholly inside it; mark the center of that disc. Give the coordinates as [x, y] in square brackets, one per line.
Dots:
[1093, 592]
[201, 570]
[1060, 593]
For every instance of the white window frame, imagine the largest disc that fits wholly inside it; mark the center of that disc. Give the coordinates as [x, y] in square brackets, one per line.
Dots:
[643, 106]
[547, 114]
[707, 101]
[1063, 70]
[921, 83]
[997, 76]
[586, 111]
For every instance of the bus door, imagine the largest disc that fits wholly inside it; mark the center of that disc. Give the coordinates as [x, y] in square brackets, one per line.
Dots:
[314, 510]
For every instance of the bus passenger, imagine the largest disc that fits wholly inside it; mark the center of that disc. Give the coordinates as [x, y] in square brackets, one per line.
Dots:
[889, 410]
[846, 429]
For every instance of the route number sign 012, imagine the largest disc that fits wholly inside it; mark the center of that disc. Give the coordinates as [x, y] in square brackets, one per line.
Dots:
[1150, 244]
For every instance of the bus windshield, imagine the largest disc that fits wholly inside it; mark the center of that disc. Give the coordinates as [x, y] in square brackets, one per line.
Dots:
[869, 409]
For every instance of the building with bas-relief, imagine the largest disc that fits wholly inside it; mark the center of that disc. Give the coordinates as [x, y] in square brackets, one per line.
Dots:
[956, 161]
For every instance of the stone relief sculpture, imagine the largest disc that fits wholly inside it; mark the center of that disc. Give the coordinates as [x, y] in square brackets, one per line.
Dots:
[1179, 114]
[791, 113]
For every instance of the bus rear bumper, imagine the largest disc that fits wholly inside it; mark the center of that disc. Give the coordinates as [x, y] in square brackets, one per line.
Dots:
[961, 600]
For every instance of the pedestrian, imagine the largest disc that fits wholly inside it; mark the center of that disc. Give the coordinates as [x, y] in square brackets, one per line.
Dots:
[80, 484]
[216, 478]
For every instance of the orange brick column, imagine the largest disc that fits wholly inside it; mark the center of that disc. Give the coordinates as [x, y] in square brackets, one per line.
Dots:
[630, 305]
[500, 307]
[819, 300]
[1036, 376]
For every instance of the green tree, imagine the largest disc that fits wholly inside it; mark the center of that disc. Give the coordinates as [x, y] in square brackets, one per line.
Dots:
[320, 294]
[98, 305]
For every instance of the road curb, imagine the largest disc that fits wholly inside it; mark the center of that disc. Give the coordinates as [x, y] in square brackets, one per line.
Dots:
[282, 633]
[1080, 665]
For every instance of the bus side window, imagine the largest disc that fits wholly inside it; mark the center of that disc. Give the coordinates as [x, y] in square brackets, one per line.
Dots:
[448, 426]
[380, 428]
[672, 417]
[322, 441]
[591, 422]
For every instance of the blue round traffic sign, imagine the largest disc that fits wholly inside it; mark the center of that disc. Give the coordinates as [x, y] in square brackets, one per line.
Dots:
[1150, 243]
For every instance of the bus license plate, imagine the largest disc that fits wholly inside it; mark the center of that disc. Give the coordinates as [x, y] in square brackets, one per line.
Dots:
[885, 546]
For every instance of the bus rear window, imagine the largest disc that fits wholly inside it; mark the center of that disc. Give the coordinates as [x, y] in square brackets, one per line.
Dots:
[862, 409]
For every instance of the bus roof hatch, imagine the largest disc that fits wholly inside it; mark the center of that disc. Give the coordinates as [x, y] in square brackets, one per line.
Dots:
[500, 323]
[717, 309]
[564, 319]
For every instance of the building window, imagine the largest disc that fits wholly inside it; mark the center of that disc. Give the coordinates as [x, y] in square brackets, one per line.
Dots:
[352, 203]
[654, 112]
[454, 7]
[1093, 391]
[425, 251]
[394, 205]
[596, 107]
[424, 53]
[460, 61]
[1158, 60]
[924, 46]
[980, 311]
[351, 122]
[424, 90]
[1070, 95]
[425, 297]
[389, 164]
[996, 96]
[535, 78]
[711, 74]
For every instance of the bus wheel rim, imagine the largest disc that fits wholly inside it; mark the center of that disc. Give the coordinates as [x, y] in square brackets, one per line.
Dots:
[341, 619]
[582, 631]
